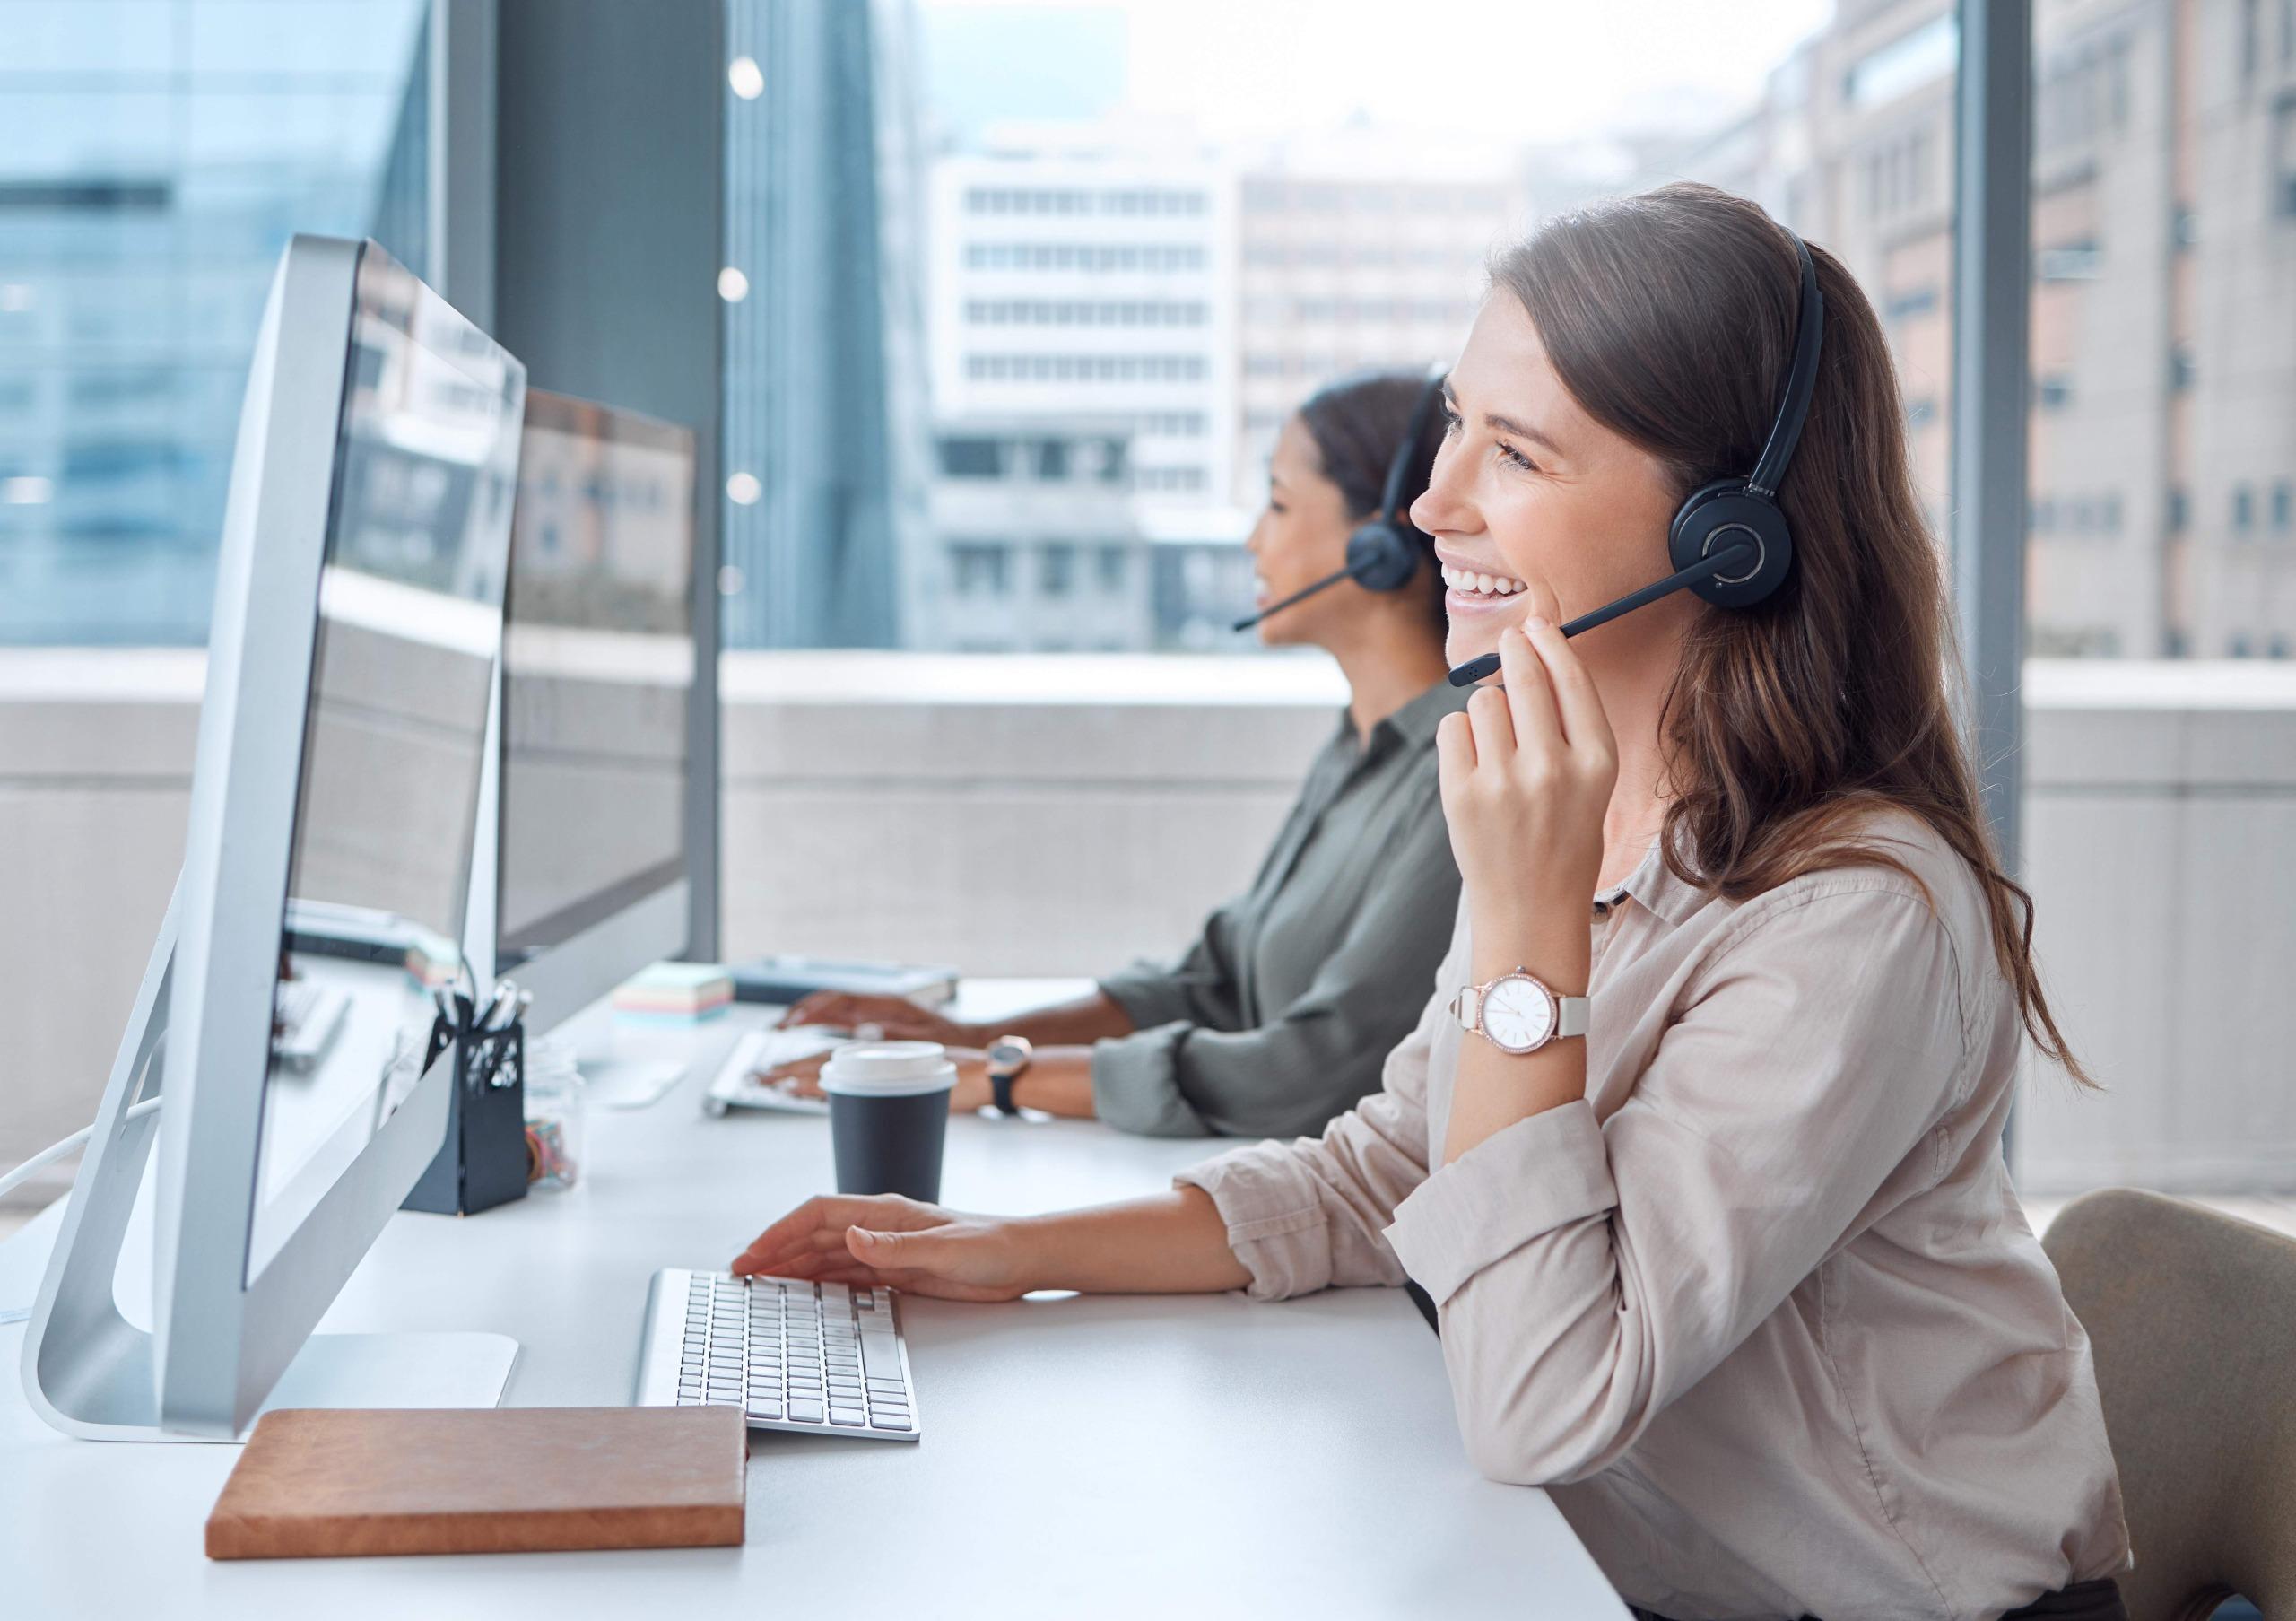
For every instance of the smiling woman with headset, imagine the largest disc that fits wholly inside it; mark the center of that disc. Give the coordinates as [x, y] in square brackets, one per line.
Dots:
[1697, 1147]
[1275, 1018]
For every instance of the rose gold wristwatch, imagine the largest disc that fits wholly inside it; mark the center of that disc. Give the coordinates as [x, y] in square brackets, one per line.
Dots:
[1517, 1014]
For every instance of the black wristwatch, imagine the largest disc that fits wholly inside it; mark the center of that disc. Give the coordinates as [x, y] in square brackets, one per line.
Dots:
[1008, 1056]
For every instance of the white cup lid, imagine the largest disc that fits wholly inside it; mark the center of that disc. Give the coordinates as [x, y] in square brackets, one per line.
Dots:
[888, 1069]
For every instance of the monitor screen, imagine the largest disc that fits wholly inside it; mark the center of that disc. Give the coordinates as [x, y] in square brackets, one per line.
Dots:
[408, 629]
[597, 672]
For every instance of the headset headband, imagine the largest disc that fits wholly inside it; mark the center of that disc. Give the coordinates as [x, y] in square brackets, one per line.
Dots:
[1407, 452]
[1801, 381]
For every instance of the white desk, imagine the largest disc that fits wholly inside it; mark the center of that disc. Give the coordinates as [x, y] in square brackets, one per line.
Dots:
[1119, 1456]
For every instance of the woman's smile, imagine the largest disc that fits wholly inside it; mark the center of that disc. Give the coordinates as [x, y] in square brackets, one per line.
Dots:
[1475, 589]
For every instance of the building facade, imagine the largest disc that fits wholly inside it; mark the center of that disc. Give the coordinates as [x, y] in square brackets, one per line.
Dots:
[1036, 545]
[1359, 252]
[149, 181]
[1090, 270]
[2162, 514]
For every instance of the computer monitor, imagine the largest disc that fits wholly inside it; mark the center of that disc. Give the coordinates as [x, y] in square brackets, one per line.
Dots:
[598, 691]
[287, 1008]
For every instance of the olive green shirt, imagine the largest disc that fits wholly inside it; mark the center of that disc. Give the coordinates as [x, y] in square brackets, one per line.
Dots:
[1279, 1017]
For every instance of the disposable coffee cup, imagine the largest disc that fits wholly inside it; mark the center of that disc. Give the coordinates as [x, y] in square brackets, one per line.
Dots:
[889, 1116]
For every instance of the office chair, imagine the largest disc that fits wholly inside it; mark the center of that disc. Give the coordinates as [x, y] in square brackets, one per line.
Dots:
[2192, 1315]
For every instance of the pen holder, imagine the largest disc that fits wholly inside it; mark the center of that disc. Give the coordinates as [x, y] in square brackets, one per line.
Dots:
[483, 1163]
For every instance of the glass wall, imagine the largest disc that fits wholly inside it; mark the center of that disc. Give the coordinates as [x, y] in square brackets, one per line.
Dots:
[154, 157]
[1138, 258]
[2163, 479]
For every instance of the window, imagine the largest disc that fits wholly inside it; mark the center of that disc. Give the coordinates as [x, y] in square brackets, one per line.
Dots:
[972, 458]
[2244, 511]
[1052, 458]
[1913, 59]
[1911, 302]
[982, 570]
[145, 195]
[1056, 568]
[2282, 500]
[1177, 284]
[2053, 391]
[2070, 262]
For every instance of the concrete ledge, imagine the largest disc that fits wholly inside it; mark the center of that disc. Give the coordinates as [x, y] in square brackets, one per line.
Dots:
[1060, 815]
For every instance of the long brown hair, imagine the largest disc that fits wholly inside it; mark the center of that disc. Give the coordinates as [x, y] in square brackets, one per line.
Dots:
[1670, 317]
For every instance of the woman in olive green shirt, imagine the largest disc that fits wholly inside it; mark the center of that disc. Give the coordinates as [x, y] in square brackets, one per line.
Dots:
[1276, 1019]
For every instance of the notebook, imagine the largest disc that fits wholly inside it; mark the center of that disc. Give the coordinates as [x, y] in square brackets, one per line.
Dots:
[313, 1483]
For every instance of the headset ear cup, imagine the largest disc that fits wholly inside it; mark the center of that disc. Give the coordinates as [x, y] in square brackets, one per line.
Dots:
[1722, 514]
[1380, 557]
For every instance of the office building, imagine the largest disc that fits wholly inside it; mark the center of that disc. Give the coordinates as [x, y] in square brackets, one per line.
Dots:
[1037, 544]
[149, 176]
[825, 437]
[1363, 249]
[2162, 518]
[1089, 270]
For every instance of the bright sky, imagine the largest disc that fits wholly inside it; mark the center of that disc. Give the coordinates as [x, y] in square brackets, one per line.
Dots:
[1521, 70]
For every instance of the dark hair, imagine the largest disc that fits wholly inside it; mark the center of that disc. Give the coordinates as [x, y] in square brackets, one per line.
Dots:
[1669, 317]
[1357, 423]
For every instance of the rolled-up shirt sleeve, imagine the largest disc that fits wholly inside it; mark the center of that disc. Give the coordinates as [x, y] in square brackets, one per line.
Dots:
[1318, 1054]
[1200, 988]
[1309, 1215]
[1587, 1274]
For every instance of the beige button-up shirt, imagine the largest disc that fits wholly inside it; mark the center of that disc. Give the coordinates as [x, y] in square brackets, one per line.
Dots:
[1762, 1311]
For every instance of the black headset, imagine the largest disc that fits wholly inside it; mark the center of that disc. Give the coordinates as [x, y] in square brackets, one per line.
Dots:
[1382, 554]
[1730, 542]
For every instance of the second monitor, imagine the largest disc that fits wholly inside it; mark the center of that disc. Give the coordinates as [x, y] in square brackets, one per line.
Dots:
[598, 674]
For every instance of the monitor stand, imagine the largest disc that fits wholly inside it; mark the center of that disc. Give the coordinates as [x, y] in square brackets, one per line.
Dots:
[91, 1373]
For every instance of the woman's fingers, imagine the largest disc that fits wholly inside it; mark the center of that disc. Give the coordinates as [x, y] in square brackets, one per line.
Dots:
[1585, 725]
[1493, 727]
[1454, 753]
[821, 1007]
[801, 1077]
[789, 1236]
[1530, 696]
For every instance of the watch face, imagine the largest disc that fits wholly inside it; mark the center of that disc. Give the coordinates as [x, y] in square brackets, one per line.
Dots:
[1006, 1051]
[1517, 1014]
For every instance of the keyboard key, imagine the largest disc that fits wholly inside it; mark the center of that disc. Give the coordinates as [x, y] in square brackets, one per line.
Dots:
[805, 1412]
[764, 1407]
[891, 1421]
[880, 1353]
[851, 1418]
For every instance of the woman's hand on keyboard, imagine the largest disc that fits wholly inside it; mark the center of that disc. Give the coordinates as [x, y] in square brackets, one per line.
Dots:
[892, 1241]
[802, 1077]
[896, 1018]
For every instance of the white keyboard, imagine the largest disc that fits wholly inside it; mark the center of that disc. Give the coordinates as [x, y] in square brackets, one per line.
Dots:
[819, 1359]
[305, 1018]
[736, 1087]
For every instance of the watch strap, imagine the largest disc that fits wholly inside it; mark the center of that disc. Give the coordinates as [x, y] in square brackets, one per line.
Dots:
[1007, 1067]
[1570, 1015]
